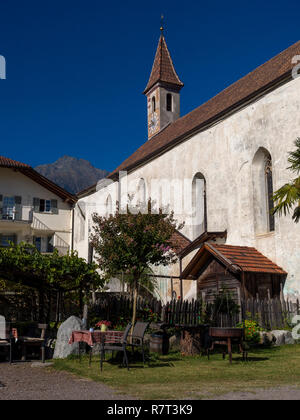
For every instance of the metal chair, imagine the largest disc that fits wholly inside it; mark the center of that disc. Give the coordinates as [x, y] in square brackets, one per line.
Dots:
[118, 345]
[138, 335]
[6, 338]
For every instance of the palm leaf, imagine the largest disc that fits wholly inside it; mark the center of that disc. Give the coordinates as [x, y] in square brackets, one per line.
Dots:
[294, 158]
[286, 197]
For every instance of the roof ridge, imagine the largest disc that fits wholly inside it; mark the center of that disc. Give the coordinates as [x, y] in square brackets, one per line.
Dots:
[31, 173]
[247, 88]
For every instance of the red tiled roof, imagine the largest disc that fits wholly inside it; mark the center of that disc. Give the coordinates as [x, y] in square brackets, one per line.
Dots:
[249, 87]
[163, 69]
[35, 176]
[249, 259]
[179, 241]
[234, 258]
[9, 163]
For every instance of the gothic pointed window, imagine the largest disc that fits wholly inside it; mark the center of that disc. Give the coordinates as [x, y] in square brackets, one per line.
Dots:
[262, 179]
[199, 205]
[270, 192]
[108, 206]
[141, 193]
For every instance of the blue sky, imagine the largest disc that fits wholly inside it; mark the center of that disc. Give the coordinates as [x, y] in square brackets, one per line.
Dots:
[76, 69]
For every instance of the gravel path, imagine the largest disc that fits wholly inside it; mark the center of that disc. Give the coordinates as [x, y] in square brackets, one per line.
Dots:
[21, 381]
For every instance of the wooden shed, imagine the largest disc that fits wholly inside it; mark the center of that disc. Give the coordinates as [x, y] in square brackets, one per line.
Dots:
[244, 271]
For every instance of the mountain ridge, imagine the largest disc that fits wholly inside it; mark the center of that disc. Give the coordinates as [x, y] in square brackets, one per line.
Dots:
[72, 174]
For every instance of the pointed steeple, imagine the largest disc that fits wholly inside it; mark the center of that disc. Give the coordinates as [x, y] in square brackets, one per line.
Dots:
[163, 70]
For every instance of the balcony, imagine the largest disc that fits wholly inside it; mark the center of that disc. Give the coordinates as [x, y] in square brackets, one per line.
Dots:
[12, 215]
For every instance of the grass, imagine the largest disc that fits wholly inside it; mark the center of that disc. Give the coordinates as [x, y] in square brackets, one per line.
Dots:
[177, 377]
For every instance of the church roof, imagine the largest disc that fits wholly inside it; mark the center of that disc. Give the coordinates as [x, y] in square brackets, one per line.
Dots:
[265, 77]
[163, 69]
[35, 176]
[239, 258]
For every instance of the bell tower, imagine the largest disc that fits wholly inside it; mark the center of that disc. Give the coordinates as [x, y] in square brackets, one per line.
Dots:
[162, 91]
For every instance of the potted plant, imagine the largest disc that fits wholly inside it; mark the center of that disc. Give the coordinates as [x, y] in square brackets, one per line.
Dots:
[104, 325]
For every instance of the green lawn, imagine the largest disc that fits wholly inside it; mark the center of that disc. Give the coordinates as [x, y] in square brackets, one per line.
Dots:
[177, 377]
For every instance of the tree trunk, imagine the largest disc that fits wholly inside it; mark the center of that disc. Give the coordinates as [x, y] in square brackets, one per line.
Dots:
[135, 296]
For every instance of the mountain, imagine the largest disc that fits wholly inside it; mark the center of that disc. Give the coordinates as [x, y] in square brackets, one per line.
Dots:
[72, 174]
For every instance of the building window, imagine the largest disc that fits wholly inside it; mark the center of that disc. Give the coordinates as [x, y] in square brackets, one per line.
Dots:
[6, 239]
[108, 206]
[262, 179]
[45, 206]
[8, 209]
[270, 192]
[44, 244]
[199, 205]
[169, 102]
[141, 193]
[153, 104]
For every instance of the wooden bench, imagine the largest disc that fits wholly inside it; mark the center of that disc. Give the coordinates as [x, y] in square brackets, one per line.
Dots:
[27, 341]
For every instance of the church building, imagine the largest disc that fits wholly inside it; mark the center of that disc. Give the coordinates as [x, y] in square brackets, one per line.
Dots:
[216, 168]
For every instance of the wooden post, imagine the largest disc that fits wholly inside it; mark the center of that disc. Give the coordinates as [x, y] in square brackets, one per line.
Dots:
[181, 283]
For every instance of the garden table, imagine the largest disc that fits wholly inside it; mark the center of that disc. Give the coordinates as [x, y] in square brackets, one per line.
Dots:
[225, 336]
[96, 337]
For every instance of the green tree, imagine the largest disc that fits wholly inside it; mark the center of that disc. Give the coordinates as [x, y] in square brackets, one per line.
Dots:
[287, 198]
[23, 265]
[133, 243]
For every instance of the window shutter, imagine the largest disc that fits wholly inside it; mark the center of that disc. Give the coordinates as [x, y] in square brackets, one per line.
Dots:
[36, 204]
[50, 244]
[18, 208]
[54, 208]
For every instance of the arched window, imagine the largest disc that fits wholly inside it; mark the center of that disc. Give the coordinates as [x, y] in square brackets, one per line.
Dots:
[108, 206]
[169, 102]
[262, 178]
[199, 205]
[153, 104]
[141, 192]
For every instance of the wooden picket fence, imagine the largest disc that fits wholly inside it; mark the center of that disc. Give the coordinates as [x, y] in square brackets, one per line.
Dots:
[269, 313]
[112, 306]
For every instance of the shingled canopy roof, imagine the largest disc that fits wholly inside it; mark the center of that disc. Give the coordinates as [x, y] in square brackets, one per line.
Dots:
[256, 83]
[179, 242]
[235, 258]
[163, 70]
[35, 176]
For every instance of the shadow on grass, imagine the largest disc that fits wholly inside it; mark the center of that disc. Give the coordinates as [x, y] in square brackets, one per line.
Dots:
[251, 359]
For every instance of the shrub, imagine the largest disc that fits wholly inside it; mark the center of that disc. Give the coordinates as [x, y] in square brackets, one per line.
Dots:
[251, 330]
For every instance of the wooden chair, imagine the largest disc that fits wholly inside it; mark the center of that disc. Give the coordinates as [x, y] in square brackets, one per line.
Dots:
[118, 345]
[6, 339]
[138, 335]
[34, 342]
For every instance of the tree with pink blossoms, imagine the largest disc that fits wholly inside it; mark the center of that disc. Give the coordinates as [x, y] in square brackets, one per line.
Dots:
[132, 243]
